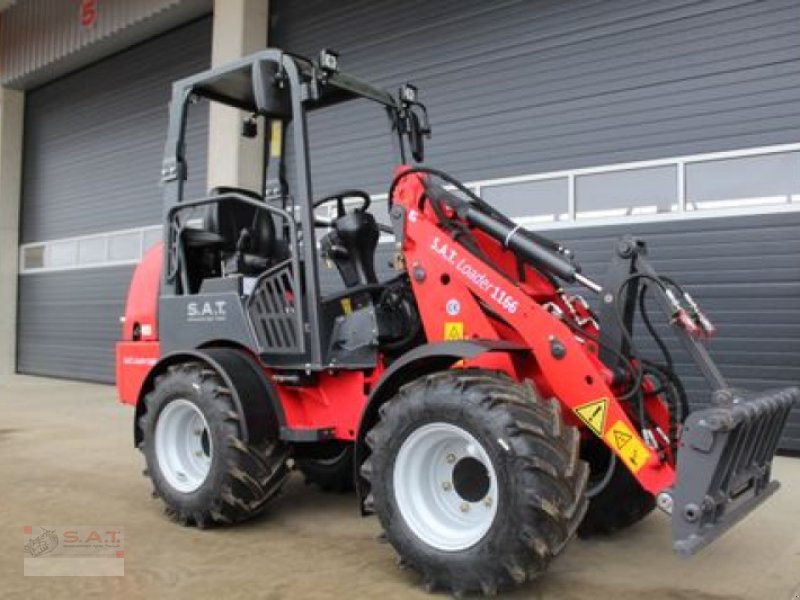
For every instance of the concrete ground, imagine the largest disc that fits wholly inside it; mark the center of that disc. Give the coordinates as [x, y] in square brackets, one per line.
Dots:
[66, 458]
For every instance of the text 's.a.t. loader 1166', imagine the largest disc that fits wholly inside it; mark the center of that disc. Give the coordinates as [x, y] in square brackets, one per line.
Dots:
[484, 414]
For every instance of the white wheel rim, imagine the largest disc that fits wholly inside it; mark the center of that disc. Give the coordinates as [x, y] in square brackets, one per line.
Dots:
[440, 506]
[183, 445]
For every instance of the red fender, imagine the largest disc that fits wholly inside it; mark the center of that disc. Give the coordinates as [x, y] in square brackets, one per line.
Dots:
[139, 349]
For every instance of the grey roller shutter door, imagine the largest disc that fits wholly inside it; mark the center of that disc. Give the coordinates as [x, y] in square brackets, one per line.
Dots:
[69, 322]
[93, 146]
[527, 87]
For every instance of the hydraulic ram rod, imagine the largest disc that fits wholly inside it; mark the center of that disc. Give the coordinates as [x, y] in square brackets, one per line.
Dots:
[517, 239]
[544, 252]
[511, 237]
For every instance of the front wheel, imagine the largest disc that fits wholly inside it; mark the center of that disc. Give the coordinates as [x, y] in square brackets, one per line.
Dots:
[476, 481]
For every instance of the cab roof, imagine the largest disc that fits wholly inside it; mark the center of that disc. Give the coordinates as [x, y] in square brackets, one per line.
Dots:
[235, 83]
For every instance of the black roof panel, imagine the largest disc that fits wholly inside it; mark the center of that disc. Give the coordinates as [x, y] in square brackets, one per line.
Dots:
[232, 83]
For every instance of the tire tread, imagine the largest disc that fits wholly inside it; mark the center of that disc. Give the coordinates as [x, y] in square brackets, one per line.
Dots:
[254, 472]
[545, 457]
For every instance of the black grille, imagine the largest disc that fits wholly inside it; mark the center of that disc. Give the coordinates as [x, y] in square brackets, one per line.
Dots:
[274, 314]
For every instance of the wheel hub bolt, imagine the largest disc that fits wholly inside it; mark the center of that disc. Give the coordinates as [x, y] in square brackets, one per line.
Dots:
[487, 501]
[447, 486]
[198, 453]
[451, 458]
[465, 507]
[198, 432]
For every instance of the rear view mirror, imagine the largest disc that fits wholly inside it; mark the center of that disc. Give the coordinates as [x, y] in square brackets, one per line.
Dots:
[417, 126]
[416, 137]
[271, 99]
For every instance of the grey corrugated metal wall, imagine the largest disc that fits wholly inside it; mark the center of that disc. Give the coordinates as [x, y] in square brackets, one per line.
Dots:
[532, 86]
[93, 146]
[69, 322]
[519, 87]
[94, 139]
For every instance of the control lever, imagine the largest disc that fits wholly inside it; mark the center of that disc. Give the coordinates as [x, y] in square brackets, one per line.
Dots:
[235, 263]
[243, 243]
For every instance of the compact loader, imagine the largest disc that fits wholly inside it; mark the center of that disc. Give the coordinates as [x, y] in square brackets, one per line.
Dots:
[483, 410]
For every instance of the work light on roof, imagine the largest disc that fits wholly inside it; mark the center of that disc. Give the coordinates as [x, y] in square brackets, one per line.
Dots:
[329, 60]
[408, 93]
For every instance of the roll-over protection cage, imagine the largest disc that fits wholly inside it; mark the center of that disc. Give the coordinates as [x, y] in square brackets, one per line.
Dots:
[281, 87]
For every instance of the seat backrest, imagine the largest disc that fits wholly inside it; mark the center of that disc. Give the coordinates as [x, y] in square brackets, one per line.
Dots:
[358, 233]
[229, 218]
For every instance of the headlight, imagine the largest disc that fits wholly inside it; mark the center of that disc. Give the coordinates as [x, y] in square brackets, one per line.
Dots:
[329, 60]
[408, 93]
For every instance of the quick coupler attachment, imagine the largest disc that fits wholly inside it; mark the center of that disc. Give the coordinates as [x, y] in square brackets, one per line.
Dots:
[724, 464]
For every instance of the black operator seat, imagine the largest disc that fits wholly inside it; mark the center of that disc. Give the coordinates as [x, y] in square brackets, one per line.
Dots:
[244, 234]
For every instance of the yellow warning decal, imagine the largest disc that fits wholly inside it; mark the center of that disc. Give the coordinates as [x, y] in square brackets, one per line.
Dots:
[276, 138]
[627, 445]
[454, 330]
[594, 414]
[347, 306]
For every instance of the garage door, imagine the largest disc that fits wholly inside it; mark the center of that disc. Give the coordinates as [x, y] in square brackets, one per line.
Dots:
[93, 145]
[539, 103]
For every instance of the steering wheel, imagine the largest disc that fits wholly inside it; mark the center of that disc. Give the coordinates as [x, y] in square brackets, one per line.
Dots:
[339, 197]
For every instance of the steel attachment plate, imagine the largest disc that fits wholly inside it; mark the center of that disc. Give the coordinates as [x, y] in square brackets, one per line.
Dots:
[724, 465]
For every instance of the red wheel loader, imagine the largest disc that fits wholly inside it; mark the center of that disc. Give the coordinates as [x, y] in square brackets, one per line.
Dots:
[483, 410]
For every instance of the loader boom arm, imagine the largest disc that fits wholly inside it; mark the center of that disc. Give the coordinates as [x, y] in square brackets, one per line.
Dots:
[628, 271]
[459, 254]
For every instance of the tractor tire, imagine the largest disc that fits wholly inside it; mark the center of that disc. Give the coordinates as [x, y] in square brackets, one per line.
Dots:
[476, 481]
[332, 470]
[197, 459]
[620, 500]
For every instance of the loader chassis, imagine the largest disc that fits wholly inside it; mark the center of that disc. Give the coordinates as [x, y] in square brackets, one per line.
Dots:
[483, 412]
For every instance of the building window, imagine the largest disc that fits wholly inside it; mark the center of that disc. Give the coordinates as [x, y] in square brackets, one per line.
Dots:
[380, 208]
[541, 201]
[772, 179]
[737, 182]
[619, 194]
[99, 250]
[61, 254]
[91, 250]
[33, 257]
[125, 246]
[741, 182]
[151, 237]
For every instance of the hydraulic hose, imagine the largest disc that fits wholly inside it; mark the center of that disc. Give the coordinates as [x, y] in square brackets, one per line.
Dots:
[526, 247]
[544, 252]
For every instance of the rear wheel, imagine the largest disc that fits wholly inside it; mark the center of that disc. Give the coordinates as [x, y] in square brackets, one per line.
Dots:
[616, 499]
[197, 459]
[331, 467]
[476, 481]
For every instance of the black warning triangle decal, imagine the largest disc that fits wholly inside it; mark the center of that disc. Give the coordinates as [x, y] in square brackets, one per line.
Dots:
[594, 415]
[621, 438]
